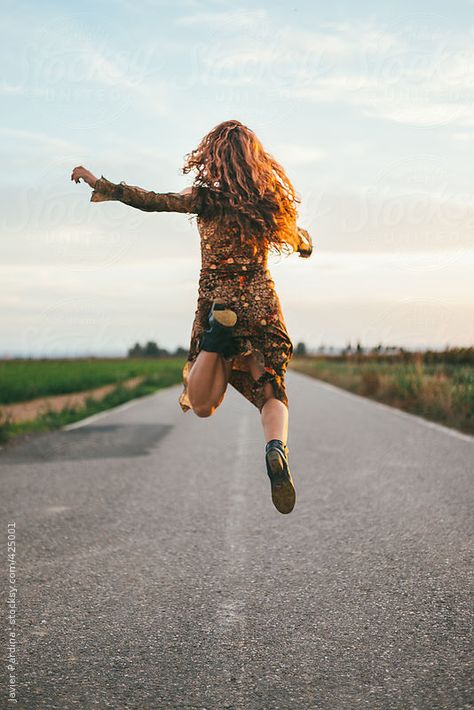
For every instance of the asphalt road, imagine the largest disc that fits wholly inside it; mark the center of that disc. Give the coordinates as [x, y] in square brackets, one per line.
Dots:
[154, 572]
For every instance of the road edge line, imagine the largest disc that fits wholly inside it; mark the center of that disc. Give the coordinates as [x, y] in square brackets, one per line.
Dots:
[100, 415]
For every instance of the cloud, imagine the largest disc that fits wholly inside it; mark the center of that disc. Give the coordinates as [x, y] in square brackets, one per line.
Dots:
[71, 60]
[295, 154]
[42, 140]
[232, 19]
[6, 88]
[417, 90]
[410, 74]
[391, 218]
[463, 136]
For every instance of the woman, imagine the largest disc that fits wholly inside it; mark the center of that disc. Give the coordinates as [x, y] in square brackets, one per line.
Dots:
[245, 206]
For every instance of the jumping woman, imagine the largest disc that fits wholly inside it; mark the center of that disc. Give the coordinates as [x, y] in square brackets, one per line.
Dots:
[245, 206]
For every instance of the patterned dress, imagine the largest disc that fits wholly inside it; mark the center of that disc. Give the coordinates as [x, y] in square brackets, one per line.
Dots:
[233, 271]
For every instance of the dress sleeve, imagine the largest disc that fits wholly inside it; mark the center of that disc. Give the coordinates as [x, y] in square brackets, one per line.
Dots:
[305, 246]
[146, 200]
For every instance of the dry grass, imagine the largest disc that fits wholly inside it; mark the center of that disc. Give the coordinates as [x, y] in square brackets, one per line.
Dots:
[443, 392]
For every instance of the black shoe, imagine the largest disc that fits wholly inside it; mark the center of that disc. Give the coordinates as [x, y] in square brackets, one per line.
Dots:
[283, 490]
[219, 336]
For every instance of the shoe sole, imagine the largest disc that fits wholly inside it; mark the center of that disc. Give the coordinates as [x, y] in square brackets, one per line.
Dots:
[227, 317]
[223, 315]
[283, 490]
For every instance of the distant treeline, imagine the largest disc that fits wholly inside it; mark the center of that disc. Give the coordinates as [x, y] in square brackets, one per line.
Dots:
[449, 356]
[380, 353]
[151, 349]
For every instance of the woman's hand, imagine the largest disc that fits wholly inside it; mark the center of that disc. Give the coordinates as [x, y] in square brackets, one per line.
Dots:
[86, 175]
[305, 247]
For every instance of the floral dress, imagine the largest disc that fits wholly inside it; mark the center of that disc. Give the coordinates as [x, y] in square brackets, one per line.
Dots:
[233, 271]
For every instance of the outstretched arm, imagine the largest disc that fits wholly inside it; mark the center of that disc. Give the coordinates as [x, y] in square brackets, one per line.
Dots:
[146, 200]
[305, 247]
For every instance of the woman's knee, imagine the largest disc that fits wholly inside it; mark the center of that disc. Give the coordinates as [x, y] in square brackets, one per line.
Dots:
[208, 409]
[204, 410]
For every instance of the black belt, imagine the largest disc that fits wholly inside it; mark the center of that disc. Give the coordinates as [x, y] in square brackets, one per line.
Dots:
[240, 269]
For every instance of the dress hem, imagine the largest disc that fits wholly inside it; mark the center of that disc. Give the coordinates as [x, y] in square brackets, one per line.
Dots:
[252, 391]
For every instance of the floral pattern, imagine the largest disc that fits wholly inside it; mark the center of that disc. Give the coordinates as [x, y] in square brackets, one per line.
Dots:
[233, 271]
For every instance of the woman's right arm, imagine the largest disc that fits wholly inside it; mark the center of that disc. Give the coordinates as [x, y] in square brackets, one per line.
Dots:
[146, 200]
[305, 246]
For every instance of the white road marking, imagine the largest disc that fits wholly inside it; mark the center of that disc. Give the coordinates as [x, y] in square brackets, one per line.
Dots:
[231, 611]
[105, 413]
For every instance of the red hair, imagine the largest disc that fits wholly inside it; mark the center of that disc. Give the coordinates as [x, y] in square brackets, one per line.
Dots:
[246, 186]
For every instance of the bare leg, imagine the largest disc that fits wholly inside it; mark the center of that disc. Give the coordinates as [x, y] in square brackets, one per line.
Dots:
[274, 413]
[274, 416]
[207, 382]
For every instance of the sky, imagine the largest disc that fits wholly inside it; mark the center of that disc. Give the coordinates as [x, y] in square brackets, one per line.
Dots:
[368, 106]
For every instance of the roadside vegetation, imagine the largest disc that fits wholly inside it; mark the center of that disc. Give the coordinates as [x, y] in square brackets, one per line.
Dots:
[22, 380]
[438, 385]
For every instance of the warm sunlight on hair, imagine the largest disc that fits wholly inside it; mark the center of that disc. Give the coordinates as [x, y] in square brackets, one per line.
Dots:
[247, 185]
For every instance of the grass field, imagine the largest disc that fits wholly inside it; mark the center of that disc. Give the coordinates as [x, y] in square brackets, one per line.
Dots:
[440, 391]
[21, 380]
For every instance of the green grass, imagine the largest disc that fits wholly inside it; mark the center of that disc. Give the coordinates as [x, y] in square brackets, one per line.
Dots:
[442, 392]
[21, 380]
[165, 373]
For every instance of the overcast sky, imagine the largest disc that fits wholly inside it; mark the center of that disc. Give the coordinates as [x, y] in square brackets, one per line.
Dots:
[368, 105]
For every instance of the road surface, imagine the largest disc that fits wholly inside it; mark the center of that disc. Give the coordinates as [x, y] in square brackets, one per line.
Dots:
[154, 572]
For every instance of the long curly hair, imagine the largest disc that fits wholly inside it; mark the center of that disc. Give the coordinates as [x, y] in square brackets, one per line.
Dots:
[246, 187]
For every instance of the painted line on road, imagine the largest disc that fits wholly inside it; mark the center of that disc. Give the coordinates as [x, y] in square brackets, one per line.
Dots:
[106, 412]
[394, 410]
